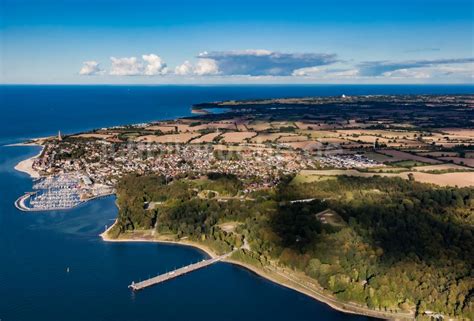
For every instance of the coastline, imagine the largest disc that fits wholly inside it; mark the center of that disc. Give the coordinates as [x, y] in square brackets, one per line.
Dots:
[195, 245]
[26, 165]
[268, 274]
[265, 272]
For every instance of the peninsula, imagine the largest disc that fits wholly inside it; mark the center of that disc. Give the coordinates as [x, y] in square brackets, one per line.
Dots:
[364, 203]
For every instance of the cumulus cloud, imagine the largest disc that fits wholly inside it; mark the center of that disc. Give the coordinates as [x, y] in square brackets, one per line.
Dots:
[150, 65]
[125, 66]
[155, 65]
[265, 62]
[184, 69]
[203, 67]
[90, 68]
[381, 68]
[206, 67]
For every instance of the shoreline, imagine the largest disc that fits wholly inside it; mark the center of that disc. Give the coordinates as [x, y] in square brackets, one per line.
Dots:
[26, 165]
[269, 275]
[194, 245]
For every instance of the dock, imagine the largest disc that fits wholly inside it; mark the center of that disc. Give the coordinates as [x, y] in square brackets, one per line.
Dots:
[176, 273]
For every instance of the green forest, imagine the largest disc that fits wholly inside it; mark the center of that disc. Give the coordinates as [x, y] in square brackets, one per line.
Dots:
[389, 243]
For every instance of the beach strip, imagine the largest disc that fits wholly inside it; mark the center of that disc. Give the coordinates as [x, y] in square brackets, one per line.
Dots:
[26, 166]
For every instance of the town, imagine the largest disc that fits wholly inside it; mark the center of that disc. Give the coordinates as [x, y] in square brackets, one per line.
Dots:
[262, 141]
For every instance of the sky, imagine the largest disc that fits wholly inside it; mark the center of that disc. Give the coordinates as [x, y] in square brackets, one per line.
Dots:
[236, 42]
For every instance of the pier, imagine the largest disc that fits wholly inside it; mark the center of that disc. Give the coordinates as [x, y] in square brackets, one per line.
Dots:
[176, 273]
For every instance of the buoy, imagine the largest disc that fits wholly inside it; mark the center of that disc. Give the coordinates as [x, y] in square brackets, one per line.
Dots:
[67, 270]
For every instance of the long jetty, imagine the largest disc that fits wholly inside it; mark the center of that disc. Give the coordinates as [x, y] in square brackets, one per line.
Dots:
[176, 273]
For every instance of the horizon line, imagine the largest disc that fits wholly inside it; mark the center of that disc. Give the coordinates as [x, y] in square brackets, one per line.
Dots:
[237, 84]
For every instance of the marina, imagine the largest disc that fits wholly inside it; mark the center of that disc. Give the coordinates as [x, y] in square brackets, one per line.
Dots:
[60, 192]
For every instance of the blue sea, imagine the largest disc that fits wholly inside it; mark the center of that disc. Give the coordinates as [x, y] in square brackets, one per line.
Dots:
[37, 248]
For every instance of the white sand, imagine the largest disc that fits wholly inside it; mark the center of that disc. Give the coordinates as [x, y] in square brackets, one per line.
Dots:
[26, 166]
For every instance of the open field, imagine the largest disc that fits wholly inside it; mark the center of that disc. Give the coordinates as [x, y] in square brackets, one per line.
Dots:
[162, 128]
[266, 137]
[319, 133]
[405, 143]
[369, 139]
[390, 134]
[237, 137]
[93, 135]
[215, 125]
[458, 160]
[441, 167]
[280, 124]
[401, 156]
[381, 158]
[259, 126]
[241, 127]
[171, 138]
[446, 179]
[241, 148]
[448, 137]
[461, 133]
[338, 141]
[387, 169]
[289, 139]
[439, 154]
[306, 145]
[314, 125]
[407, 163]
[207, 138]
[185, 128]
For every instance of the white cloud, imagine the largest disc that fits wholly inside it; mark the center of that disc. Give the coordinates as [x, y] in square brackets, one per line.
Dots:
[203, 67]
[90, 68]
[206, 67]
[125, 66]
[155, 65]
[185, 69]
[309, 71]
[150, 65]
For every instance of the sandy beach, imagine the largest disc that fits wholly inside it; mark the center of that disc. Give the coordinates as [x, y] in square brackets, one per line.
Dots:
[26, 166]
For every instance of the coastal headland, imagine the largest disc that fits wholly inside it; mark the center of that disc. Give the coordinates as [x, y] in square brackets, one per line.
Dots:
[357, 202]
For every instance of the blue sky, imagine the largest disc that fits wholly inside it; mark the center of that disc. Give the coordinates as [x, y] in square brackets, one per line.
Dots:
[148, 42]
